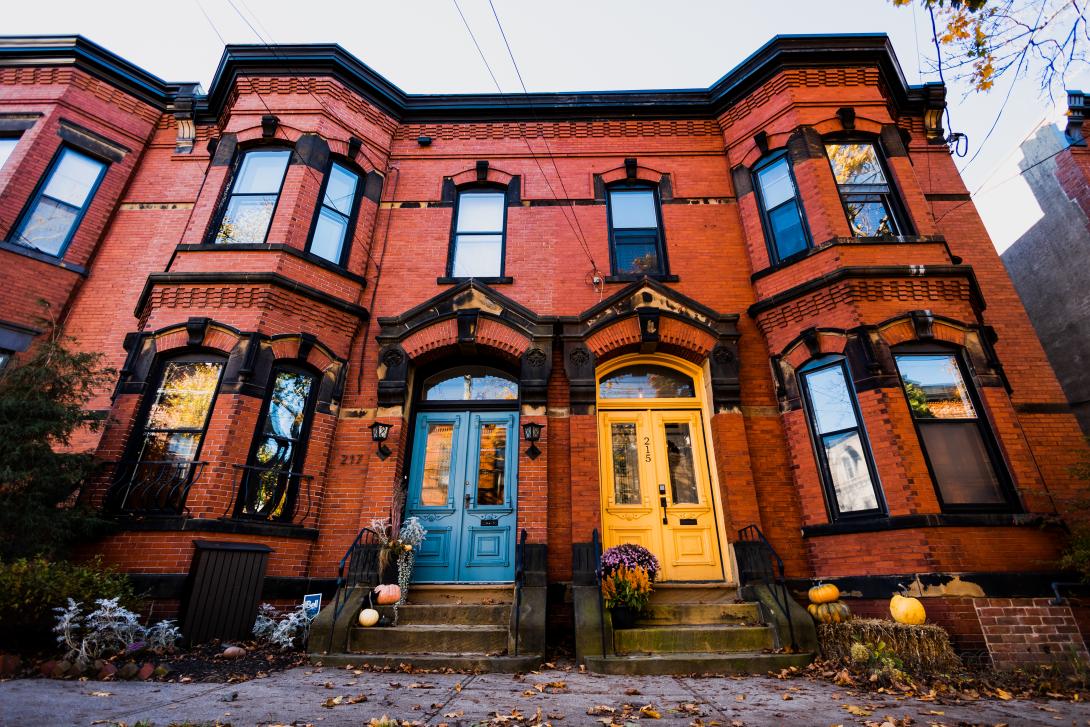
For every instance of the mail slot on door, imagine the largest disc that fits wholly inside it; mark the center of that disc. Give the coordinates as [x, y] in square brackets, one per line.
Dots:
[490, 522]
[687, 521]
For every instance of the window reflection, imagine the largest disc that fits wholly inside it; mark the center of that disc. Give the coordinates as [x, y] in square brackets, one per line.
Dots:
[435, 484]
[176, 421]
[475, 383]
[680, 460]
[492, 464]
[646, 381]
[626, 466]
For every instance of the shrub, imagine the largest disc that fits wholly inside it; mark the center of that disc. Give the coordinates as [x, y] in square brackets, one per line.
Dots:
[626, 586]
[108, 630]
[31, 589]
[631, 556]
[287, 631]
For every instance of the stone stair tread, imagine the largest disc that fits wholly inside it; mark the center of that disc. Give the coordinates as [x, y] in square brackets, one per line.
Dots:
[696, 627]
[739, 662]
[504, 663]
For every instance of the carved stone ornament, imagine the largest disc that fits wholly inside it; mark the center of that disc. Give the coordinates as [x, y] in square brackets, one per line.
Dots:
[535, 357]
[392, 358]
[579, 357]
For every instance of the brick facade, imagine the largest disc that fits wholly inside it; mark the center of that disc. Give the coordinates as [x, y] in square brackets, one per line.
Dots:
[143, 281]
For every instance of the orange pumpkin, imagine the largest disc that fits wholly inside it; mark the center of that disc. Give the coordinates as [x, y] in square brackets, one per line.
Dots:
[824, 593]
[388, 594]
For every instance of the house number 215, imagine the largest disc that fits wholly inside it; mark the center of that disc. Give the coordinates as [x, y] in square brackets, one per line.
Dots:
[647, 449]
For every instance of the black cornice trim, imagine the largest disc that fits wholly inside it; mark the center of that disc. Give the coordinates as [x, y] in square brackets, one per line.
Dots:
[779, 53]
[275, 279]
[75, 50]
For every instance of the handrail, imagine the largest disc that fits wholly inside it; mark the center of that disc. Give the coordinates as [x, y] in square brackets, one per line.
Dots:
[284, 490]
[520, 568]
[758, 562]
[151, 487]
[350, 579]
[597, 545]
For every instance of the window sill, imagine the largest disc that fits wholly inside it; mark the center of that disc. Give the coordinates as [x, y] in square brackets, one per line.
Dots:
[42, 257]
[277, 247]
[938, 520]
[660, 277]
[503, 280]
[799, 256]
[223, 525]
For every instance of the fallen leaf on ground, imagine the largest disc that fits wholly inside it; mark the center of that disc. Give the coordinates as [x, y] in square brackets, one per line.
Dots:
[857, 710]
[650, 712]
[600, 709]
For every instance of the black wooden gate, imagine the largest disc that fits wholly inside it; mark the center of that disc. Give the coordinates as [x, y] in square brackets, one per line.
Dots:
[223, 590]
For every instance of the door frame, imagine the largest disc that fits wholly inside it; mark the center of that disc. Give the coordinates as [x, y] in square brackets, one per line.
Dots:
[702, 386]
[418, 406]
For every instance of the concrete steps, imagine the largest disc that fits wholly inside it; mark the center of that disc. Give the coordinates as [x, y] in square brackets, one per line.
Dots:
[461, 638]
[696, 628]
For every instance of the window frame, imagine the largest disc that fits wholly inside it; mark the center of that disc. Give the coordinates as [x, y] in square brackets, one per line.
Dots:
[225, 201]
[660, 240]
[766, 224]
[299, 454]
[39, 192]
[892, 198]
[832, 505]
[452, 245]
[14, 137]
[983, 423]
[134, 448]
[350, 229]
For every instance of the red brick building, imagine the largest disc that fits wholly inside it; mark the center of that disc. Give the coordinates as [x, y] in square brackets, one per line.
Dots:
[770, 302]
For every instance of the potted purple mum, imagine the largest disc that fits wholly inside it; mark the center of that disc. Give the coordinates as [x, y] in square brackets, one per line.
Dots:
[627, 573]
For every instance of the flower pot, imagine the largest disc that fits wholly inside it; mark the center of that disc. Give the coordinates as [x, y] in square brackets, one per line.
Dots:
[624, 617]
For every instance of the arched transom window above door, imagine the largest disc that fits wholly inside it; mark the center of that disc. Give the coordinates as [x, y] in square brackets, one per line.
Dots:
[646, 381]
[471, 383]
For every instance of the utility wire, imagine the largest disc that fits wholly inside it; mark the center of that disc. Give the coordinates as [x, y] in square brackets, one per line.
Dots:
[544, 138]
[533, 155]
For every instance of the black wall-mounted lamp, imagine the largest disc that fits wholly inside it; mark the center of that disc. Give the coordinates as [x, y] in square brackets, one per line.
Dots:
[531, 432]
[379, 433]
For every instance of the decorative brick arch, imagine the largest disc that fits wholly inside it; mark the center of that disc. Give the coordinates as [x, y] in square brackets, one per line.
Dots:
[922, 326]
[648, 317]
[468, 320]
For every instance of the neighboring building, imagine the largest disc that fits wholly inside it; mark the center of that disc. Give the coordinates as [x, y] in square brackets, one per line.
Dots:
[767, 303]
[1045, 262]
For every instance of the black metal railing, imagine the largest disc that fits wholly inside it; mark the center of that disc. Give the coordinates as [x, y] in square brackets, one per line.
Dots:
[520, 577]
[758, 563]
[271, 494]
[596, 546]
[151, 488]
[359, 566]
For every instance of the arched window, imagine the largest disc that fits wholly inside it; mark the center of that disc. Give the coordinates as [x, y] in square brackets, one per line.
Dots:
[781, 212]
[646, 381]
[270, 481]
[335, 215]
[956, 441]
[255, 190]
[637, 245]
[478, 233]
[840, 439]
[863, 182]
[471, 383]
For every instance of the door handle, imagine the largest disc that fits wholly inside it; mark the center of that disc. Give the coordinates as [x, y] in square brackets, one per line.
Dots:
[662, 503]
[469, 500]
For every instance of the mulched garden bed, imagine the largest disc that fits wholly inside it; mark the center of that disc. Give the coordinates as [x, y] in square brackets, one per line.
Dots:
[205, 663]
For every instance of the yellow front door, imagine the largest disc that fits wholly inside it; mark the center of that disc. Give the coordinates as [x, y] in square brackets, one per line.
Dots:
[656, 490]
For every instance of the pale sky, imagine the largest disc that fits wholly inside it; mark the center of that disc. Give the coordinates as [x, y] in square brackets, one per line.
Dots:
[560, 45]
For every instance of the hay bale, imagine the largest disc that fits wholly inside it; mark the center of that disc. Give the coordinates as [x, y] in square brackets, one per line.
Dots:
[921, 648]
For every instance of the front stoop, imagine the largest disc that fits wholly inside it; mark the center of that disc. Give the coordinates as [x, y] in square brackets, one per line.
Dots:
[686, 629]
[460, 627]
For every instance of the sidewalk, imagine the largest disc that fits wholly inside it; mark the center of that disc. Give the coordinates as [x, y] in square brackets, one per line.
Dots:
[297, 697]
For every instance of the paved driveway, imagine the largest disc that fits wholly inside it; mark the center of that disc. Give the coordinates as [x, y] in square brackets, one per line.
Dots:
[297, 696]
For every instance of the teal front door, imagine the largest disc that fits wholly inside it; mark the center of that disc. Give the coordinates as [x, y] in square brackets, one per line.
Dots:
[463, 483]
